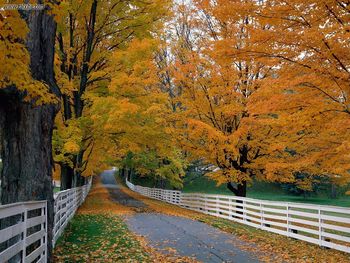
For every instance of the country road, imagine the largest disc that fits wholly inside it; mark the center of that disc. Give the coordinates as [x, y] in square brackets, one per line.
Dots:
[172, 233]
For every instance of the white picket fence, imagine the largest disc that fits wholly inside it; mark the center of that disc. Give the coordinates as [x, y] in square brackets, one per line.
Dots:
[26, 239]
[327, 226]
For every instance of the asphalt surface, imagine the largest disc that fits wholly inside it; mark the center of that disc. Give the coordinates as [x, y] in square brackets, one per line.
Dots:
[171, 233]
[117, 195]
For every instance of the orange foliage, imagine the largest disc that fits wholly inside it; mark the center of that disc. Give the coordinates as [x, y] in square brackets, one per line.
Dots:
[263, 88]
[217, 84]
[305, 104]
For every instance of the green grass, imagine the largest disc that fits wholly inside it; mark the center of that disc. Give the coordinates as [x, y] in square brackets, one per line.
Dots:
[94, 238]
[259, 190]
[202, 184]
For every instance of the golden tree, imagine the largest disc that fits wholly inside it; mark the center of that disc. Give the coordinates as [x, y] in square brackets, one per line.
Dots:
[132, 119]
[28, 105]
[217, 83]
[306, 104]
[88, 33]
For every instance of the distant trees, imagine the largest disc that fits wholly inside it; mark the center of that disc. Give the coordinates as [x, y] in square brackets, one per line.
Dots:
[89, 32]
[133, 119]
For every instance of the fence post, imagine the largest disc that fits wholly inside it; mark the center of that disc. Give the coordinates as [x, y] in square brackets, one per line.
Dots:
[24, 234]
[320, 226]
[244, 210]
[217, 205]
[206, 208]
[45, 236]
[288, 221]
[262, 215]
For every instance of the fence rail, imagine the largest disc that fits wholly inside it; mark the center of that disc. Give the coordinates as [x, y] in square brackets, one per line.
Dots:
[23, 226]
[66, 204]
[327, 226]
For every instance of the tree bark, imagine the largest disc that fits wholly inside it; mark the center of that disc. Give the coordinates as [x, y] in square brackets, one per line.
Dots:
[67, 174]
[78, 95]
[239, 190]
[333, 191]
[27, 128]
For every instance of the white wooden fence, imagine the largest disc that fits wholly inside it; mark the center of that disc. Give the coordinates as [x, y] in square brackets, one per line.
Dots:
[66, 204]
[327, 226]
[23, 226]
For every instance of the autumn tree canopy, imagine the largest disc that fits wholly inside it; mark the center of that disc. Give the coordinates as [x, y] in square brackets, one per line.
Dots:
[238, 85]
[261, 88]
[255, 89]
[308, 42]
[88, 34]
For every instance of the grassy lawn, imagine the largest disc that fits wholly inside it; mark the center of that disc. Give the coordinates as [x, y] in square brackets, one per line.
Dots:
[98, 238]
[260, 190]
[56, 189]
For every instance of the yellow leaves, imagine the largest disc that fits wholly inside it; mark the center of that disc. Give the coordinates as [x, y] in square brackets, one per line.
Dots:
[126, 106]
[100, 202]
[71, 147]
[66, 86]
[135, 75]
[235, 102]
[67, 139]
[14, 55]
[132, 116]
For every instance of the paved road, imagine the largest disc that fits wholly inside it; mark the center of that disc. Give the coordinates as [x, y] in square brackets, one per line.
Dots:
[109, 181]
[188, 237]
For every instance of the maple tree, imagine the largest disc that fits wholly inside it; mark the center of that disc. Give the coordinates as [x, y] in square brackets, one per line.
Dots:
[307, 100]
[250, 93]
[88, 33]
[28, 105]
[216, 83]
[133, 130]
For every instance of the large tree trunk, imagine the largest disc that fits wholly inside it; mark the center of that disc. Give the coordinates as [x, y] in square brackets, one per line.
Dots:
[333, 191]
[27, 154]
[78, 95]
[239, 190]
[67, 174]
[27, 128]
